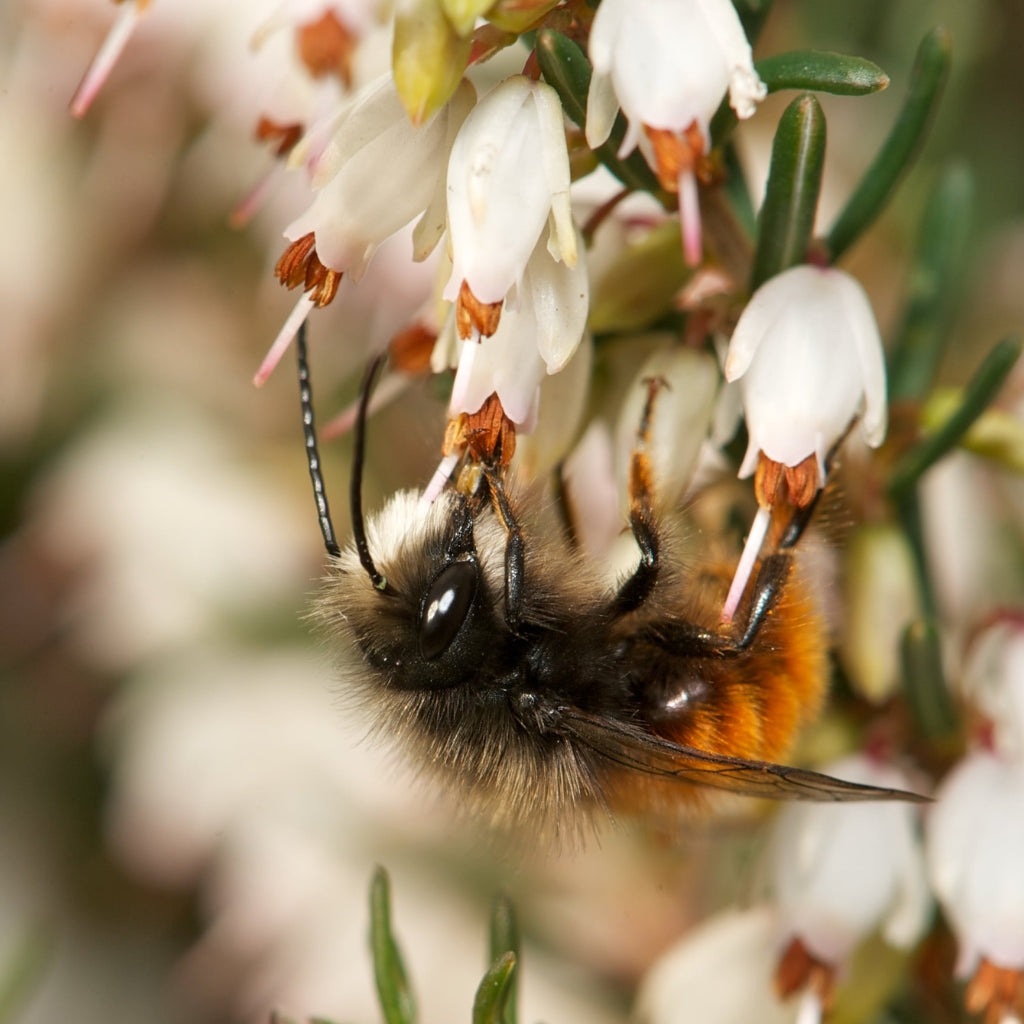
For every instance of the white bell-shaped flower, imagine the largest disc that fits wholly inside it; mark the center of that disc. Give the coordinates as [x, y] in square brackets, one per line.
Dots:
[535, 337]
[993, 681]
[508, 176]
[667, 63]
[357, 206]
[809, 358]
[719, 973]
[975, 845]
[842, 870]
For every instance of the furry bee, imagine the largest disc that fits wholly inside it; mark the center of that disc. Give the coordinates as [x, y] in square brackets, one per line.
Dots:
[495, 655]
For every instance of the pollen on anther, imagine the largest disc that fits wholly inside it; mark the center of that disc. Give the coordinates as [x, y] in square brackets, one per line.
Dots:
[300, 266]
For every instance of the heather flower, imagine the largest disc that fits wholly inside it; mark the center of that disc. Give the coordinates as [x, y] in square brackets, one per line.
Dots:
[668, 64]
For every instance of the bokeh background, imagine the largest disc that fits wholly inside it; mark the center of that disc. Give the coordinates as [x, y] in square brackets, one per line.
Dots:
[188, 821]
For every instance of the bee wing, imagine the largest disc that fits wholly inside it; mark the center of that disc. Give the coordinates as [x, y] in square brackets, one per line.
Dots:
[635, 749]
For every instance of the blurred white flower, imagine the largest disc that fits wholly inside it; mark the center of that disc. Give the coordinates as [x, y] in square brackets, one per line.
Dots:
[975, 844]
[719, 973]
[993, 681]
[882, 597]
[842, 871]
[668, 64]
[235, 772]
[508, 176]
[165, 522]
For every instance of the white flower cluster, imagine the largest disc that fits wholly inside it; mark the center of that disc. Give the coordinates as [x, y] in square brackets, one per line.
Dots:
[490, 174]
[484, 187]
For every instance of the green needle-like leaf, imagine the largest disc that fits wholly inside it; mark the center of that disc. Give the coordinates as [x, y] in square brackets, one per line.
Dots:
[490, 1003]
[926, 81]
[566, 69]
[791, 196]
[809, 71]
[504, 938]
[396, 999]
[996, 434]
[978, 393]
[924, 683]
[933, 286]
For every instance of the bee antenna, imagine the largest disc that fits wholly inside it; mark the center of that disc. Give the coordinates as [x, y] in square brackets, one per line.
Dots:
[358, 460]
[323, 512]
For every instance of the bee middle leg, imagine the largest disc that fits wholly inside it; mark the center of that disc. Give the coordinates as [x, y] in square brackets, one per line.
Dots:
[635, 590]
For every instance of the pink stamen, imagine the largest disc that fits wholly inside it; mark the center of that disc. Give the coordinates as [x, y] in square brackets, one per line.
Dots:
[810, 1009]
[751, 550]
[105, 59]
[689, 219]
[388, 390]
[441, 476]
[284, 338]
[253, 201]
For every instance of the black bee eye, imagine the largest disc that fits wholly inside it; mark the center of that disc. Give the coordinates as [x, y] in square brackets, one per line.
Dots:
[445, 607]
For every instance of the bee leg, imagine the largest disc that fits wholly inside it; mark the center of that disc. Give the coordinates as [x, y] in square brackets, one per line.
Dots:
[515, 551]
[694, 641]
[638, 587]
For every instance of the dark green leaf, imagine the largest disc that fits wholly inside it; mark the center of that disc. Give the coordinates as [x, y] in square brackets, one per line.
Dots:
[926, 81]
[938, 269]
[504, 938]
[819, 71]
[490, 1003]
[924, 681]
[566, 69]
[809, 71]
[978, 393]
[791, 196]
[396, 999]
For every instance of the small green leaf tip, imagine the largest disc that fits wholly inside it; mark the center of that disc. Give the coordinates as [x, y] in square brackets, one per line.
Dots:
[493, 993]
[396, 999]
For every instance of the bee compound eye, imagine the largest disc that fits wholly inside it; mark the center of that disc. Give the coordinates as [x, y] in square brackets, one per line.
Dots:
[446, 606]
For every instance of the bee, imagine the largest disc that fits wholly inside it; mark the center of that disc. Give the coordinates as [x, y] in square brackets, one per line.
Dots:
[487, 648]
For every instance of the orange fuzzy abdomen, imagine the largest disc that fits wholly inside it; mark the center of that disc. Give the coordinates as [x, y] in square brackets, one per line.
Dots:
[750, 705]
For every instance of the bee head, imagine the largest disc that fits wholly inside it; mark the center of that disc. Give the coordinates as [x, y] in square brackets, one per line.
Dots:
[440, 620]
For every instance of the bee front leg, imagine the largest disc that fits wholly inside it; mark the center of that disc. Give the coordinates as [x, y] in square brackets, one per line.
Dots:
[635, 590]
[515, 551]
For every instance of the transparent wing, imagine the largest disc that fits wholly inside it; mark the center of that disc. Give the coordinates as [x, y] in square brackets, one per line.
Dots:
[635, 749]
